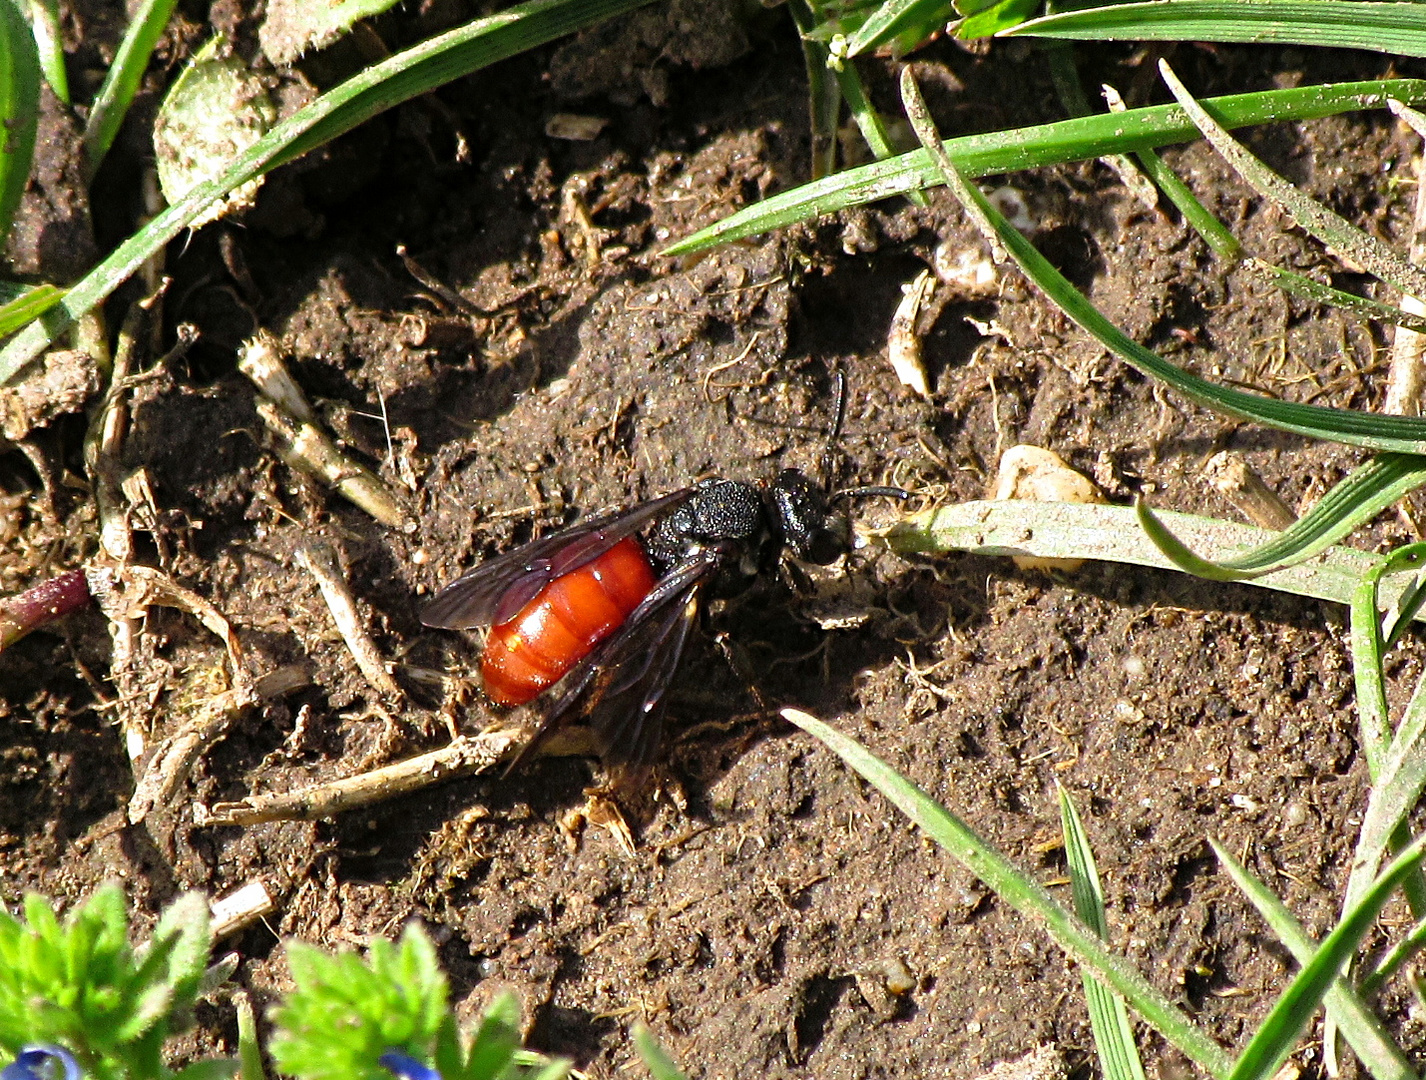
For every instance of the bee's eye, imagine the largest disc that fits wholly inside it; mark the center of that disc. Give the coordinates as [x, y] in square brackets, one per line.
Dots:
[825, 545]
[808, 528]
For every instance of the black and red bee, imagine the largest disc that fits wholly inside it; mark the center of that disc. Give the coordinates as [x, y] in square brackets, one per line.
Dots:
[609, 611]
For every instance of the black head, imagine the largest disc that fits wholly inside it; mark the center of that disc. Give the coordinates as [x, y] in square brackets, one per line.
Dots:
[751, 527]
[804, 519]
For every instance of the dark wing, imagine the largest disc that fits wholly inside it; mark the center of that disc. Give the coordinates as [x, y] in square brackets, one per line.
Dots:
[495, 591]
[622, 686]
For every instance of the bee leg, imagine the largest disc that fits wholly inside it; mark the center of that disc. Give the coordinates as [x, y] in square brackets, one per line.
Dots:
[737, 659]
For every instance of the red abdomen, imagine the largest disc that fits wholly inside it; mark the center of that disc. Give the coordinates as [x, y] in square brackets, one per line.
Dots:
[563, 623]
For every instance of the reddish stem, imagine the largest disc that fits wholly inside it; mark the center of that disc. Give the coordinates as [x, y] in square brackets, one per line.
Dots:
[43, 603]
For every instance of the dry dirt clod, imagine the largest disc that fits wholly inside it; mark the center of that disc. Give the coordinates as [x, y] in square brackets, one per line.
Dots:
[59, 382]
[1040, 475]
[1044, 1062]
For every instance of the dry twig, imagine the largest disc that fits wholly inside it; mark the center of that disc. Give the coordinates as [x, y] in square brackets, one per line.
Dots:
[320, 560]
[466, 755]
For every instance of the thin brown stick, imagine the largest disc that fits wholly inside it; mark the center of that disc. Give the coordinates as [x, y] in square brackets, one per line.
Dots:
[464, 756]
[321, 561]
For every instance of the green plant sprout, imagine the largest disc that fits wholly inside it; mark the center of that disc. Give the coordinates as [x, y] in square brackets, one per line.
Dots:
[79, 984]
[77, 1000]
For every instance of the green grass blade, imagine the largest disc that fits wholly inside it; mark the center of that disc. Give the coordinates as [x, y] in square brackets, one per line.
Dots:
[868, 120]
[1368, 654]
[1278, 1033]
[1355, 500]
[993, 18]
[1111, 533]
[1085, 886]
[1069, 87]
[1023, 894]
[824, 98]
[1078, 139]
[44, 21]
[1301, 285]
[1329, 227]
[1348, 24]
[659, 1064]
[399, 78]
[1226, 247]
[121, 82]
[1400, 953]
[1400, 616]
[1376, 737]
[1213, 232]
[1405, 434]
[249, 1051]
[895, 18]
[1362, 1029]
[29, 305]
[1108, 1019]
[1396, 762]
[20, 107]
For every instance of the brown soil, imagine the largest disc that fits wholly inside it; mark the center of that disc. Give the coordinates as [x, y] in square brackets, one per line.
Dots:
[754, 925]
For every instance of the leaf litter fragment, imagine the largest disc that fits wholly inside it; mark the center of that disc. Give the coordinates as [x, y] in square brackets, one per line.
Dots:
[216, 109]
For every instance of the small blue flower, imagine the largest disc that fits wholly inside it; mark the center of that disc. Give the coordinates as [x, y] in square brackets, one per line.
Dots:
[402, 1066]
[38, 1063]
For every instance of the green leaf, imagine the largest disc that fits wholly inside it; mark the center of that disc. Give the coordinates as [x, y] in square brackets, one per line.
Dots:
[995, 19]
[903, 23]
[496, 1040]
[20, 107]
[216, 109]
[346, 1012]
[556, 1069]
[1398, 28]
[213, 1069]
[659, 1064]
